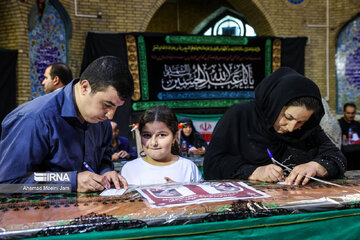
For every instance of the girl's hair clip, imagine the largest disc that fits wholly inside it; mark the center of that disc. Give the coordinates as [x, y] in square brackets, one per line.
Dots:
[180, 125]
[134, 126]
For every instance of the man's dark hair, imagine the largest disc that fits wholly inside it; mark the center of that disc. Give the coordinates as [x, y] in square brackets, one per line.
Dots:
[350, 104]
[109, 71]
[62, 71]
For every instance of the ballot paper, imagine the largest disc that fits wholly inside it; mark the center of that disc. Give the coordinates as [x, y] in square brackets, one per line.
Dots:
[112, 192]
[186, 194]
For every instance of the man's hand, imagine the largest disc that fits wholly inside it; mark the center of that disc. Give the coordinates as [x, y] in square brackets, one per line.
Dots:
[91, 182]
[268, 173]
[121, 154]
[310, 169]
[117, 179]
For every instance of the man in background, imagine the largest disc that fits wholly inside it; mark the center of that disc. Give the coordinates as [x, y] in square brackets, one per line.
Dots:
[348, 121]
[56, 76]
[120, 145]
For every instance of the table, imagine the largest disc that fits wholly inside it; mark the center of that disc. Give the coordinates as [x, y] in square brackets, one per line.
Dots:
[342, 224]
[313, 204]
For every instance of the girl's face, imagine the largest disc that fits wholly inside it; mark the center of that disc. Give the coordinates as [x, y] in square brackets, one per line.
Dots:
[291, 118]
[157, 139]
[187, 130]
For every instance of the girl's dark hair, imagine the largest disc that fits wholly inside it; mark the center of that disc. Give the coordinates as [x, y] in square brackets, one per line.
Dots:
[165, 115]
[310, 103]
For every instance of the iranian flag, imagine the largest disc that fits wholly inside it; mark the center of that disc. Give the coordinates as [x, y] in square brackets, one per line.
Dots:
[204, 124]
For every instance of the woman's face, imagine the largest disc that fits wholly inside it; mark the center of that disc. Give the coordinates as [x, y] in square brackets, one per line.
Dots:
[291, 118]
[157, 139]
[187, 130]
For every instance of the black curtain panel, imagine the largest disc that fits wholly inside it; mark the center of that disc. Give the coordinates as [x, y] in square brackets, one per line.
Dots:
[103, 44]
[8, 59]
[293, 53]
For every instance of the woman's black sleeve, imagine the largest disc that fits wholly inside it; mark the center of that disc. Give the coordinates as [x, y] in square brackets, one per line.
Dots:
[223, 158]
[329, 156]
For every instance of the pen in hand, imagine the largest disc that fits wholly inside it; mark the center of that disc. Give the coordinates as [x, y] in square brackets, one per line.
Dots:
[289, 169]
[88, 167]
[91, 170]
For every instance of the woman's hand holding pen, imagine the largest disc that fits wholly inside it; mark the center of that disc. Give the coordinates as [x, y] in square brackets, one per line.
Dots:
[268, 173]
[91, 182]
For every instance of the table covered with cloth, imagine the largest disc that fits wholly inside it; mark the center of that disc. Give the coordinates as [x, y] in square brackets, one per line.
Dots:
[92, 216]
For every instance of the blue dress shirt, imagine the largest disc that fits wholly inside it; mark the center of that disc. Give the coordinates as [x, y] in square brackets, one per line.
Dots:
[45, 135]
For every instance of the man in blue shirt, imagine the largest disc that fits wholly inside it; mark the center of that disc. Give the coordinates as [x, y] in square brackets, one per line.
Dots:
[56, 76]
[68, 130]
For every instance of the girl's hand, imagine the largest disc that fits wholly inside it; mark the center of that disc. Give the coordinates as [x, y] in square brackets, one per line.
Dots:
[169, 180]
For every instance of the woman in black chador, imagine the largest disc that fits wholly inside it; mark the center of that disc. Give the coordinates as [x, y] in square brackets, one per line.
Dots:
[284, 118]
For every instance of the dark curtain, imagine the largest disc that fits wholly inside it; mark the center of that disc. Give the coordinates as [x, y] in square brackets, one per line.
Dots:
[103, 44]
[293, 53]
[8, 59]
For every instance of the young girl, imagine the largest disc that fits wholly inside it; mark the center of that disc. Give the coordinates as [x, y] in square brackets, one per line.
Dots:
[160, 161]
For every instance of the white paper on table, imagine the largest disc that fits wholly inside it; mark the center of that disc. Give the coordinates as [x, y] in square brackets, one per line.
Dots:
[112, 192]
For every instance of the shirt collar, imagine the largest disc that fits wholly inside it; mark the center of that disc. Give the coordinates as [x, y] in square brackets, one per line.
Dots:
[68, 106]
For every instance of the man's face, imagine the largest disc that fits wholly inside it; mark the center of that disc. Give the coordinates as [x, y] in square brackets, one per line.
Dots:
[100, 106]
[349, 113]
[48, 82]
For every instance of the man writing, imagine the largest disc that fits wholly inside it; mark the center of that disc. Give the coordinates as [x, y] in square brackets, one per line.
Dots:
[56, 76]
[65, 131]
[348, 121]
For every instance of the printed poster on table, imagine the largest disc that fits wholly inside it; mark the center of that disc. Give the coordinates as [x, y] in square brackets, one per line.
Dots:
[179, 195]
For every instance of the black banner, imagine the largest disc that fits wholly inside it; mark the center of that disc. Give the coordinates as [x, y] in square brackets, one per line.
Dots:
[196, 67]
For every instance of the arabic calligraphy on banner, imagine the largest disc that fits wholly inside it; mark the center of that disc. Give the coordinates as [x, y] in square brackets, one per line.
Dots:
[179, 70]
[207, 76]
